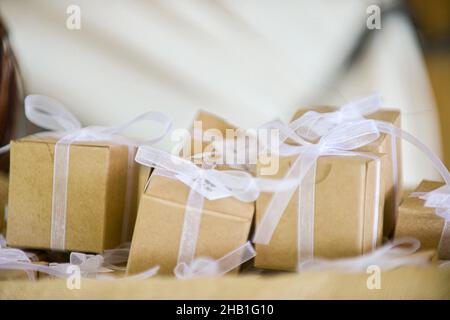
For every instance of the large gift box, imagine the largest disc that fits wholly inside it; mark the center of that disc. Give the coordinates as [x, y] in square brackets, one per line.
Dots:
[225, 223]
[95, 198]
[391, 175]
[417, 220]
[345, 218]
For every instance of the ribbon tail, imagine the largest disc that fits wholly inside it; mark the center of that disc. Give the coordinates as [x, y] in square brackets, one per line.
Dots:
[191, 227]
[305, 216]
[235, 258]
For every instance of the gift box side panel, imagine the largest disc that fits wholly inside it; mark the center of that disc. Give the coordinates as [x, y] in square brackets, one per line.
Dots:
[31, 174]
[158, 230]
[416, 220]
[116, 197]
[87, 198]
[30, 195]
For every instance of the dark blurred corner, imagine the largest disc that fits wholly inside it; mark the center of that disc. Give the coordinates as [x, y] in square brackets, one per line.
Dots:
[432, 20]
[10, 98]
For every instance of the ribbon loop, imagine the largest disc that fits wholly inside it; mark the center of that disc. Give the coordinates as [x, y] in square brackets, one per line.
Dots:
[49, 114]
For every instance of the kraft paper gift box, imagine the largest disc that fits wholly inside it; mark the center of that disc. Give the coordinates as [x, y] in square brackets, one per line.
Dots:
[421, 222]
[344, 214]
[96, 191]
[225, 225]
[381, 146]
[225, 222]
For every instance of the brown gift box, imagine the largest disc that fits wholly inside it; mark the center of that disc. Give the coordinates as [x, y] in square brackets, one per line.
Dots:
[416, 220]
[381, 146]
[225, 222]
[343, 217]
[97, 181]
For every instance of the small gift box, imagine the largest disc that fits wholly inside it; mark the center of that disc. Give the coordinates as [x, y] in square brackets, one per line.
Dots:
[73, 189]
[423, 221]
[391, 165]
[337, 209]
[97, 180]
[165, 226]
[225, 225]
[346, 220]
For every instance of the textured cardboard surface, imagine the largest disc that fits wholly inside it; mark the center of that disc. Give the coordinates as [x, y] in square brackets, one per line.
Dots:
[382, 146]
[343, 218]
[225, 222]
[416, 220]
[95, 199]
[4, 182]
[401, 283]
[225, 225]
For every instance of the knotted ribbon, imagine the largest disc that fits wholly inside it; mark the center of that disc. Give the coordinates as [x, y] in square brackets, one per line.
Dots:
[339, 142]
[205, 182]
[50, 114]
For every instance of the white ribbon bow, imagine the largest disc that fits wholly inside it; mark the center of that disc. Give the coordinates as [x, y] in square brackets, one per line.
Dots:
[312, 125]
[339, 141]
[211, 184]
[50, 114]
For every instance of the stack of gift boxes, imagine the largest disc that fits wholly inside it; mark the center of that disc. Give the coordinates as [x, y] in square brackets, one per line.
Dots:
[355, 204]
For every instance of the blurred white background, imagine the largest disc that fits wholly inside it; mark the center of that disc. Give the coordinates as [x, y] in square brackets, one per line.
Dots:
[248, 61]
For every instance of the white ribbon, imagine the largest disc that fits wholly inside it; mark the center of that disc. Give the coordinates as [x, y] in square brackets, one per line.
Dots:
[204, 267]
[211, 184]
[387, 257]
[339, 141]
[91, 266]
[16, 259]
[50, 114]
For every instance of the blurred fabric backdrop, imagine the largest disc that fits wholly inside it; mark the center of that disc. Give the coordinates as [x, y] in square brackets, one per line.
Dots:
[249, 61]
